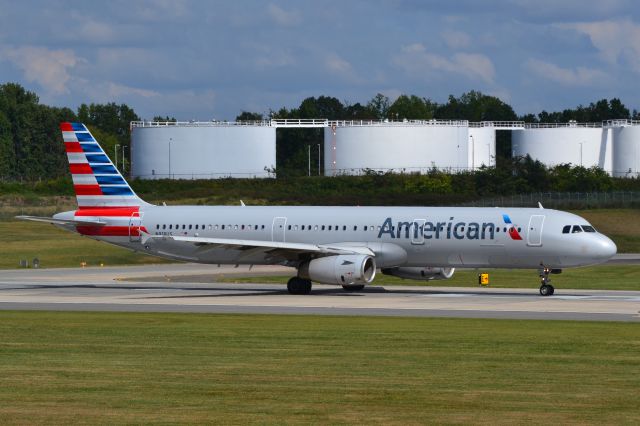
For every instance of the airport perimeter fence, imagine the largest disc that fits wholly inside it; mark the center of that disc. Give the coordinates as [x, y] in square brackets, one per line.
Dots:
[563, 200]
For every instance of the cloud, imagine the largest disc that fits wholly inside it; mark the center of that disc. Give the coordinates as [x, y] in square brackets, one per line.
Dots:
[456, 39]
[283, 17]
[579, 76]
[337, 65]
[266, 56]
[614, 40]
[48, 68]
[415, 59]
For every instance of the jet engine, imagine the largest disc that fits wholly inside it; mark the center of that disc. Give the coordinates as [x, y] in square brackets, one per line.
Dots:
[421, 274]
[340, 269]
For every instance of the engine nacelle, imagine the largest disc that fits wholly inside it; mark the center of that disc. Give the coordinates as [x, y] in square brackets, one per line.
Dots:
[342, 269]
[421, 274]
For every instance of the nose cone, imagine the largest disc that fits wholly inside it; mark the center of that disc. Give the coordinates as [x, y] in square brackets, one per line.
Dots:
[604, 248]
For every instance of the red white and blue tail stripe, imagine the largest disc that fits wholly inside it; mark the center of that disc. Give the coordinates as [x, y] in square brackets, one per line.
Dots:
[96, 181]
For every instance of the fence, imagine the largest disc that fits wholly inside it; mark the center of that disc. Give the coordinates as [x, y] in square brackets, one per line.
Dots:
[566, 200]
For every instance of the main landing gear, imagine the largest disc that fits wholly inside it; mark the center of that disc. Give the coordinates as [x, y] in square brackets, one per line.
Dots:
[546, 289]
[297, 285]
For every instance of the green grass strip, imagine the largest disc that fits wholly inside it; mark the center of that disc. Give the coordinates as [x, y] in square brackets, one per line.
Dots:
[191, 368]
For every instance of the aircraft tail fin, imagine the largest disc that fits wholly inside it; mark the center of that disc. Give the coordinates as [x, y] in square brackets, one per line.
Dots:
[97, 183]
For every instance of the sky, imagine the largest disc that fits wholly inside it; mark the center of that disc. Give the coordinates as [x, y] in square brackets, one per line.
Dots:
[203, 60]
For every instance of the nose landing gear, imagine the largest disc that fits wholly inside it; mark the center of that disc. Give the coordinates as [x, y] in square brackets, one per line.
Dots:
[546, 289]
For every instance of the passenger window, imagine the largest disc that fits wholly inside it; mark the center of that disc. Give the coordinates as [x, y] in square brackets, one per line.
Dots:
[355, 227]
[262, 226]
[344, 227]
[157, 226]
[365, 227]
[566, 229]
[323, 227]
[190, 226]
[295, 228]
[576, 229]
[329, 227]
[315, 228]
[234, 227]
[196, 226]
[170, 226]
[302, 228]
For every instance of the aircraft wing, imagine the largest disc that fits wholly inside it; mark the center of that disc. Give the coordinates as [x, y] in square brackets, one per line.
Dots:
[73, 222]
[289, 251]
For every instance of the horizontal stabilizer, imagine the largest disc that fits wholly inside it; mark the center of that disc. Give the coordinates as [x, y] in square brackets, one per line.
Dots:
[73, 222]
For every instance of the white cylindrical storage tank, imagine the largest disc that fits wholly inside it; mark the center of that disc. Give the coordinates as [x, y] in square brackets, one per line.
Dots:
[202, 151]
[578, 145]
[626, 151]
[397, 147]
[482, 147]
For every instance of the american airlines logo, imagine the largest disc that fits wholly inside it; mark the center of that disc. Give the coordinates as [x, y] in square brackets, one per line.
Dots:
[447, 230]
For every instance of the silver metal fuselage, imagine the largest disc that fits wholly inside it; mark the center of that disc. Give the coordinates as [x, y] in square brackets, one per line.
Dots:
[399, 236]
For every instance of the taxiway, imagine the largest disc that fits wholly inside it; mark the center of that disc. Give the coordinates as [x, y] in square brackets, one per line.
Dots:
[175, 288]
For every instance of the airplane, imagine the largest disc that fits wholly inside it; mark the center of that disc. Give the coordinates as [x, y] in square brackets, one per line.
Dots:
[342, 246]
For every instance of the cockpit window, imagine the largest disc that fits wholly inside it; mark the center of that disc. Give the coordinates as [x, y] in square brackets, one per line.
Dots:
[566, 229]
[576, 229]
[587, 228]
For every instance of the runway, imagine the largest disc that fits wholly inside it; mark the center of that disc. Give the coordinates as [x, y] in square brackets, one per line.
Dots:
[104, 289]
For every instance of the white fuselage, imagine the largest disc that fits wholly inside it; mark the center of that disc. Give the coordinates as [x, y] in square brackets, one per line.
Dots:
[399, 236]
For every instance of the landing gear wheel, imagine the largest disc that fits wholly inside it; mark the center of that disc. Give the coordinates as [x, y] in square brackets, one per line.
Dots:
[353, 287]
[297, 285]
[546, 290]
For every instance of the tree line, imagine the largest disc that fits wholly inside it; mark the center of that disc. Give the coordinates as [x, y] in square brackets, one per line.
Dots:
[31, 145]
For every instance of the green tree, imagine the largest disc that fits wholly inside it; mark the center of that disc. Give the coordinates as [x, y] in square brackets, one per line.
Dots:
[411, 108]
[379, 104]
[249, 116]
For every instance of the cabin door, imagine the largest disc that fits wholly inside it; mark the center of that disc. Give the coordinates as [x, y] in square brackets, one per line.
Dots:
[278, 229]
[534, 232]
[134, 227]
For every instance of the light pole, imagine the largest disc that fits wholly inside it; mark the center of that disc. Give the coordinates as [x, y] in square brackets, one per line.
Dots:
[115, 154]
[170, 139]
[473, 153]
[122, 159]
[580, 154]
[309, 166]
[318, 159]
[489, 151]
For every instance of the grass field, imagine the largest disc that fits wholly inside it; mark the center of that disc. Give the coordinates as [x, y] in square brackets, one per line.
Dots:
[57, 248]
[620, 277]
[100, 368]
